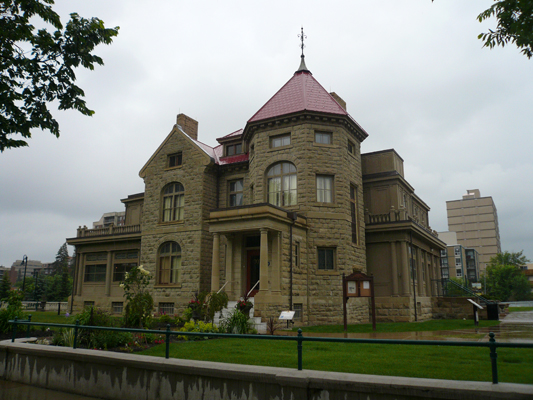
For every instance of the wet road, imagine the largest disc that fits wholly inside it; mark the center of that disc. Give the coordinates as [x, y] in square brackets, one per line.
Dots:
[515, 327]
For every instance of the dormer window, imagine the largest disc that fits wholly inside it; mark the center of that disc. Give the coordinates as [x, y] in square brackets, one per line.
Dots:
[233, 149]
[174, 160]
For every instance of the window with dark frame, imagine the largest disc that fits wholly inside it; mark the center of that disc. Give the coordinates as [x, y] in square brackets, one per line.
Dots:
[323, 137]
[173, 202]
[296, 254]
[166, 308]
[354, 213]
[235, 190]
[298, 311]
[174, 160]
[326, 258]
[117, 307]
[280, 140]
[95, 273]
[169, 263]
[233, 149]
[351, 148]
[119, 271]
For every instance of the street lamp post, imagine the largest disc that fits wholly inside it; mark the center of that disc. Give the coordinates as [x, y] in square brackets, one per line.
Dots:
[25, 263]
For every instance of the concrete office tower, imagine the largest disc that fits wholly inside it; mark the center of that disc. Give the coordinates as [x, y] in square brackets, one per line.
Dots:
[475, 220]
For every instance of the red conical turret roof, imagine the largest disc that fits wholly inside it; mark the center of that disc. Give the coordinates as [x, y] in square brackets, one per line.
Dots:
[301, 93]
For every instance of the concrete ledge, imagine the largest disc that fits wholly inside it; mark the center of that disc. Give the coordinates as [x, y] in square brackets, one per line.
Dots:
[117, 376]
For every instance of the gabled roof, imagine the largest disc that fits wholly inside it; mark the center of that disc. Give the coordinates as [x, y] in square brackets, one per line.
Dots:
[301, 92]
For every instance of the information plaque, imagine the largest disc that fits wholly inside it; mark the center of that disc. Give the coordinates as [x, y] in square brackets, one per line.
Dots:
[286, 315]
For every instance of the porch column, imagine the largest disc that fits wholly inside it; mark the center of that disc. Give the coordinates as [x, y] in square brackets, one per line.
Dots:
[215, 267]
[405, 269]
[229, 264]
[80, 261]
[419, 273]
[108, 273]
[276, 253]
[394, 269]
[263, 262]
[427, 265]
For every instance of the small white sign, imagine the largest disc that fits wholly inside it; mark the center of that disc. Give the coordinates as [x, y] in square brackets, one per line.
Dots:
[366, 284]
[286, 315]
[474, 303]
[352, 287]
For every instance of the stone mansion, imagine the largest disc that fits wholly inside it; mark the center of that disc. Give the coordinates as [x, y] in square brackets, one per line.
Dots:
[281, 209]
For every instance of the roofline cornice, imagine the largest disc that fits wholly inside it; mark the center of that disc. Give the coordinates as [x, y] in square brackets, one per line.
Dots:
[305, 116]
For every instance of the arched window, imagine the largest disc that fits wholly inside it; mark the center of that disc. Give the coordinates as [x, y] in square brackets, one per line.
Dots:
[173, 200]
[169, 263]
[281, 181]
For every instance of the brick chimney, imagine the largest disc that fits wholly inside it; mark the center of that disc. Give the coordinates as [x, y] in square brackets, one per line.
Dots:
[188, 125]
[339, 100]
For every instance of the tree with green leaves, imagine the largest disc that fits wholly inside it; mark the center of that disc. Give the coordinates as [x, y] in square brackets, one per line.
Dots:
[503, 278]
[37, 67]
[506, 258]
[62, 260]
[514, 25]
[5, 286]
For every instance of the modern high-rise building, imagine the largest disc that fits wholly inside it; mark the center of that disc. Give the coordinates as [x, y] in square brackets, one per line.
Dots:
[475, 220]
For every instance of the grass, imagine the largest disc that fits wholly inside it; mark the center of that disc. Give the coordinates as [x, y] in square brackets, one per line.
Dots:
[514, 365]
[431, 325]
[516, 309]
[47, 316]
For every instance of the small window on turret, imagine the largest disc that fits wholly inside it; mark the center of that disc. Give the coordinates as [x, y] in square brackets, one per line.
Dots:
[323, 137]
[351, 148]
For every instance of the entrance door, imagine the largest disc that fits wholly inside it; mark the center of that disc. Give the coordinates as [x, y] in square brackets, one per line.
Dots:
[252, 275]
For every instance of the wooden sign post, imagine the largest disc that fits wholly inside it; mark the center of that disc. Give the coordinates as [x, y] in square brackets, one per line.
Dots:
[358, 285]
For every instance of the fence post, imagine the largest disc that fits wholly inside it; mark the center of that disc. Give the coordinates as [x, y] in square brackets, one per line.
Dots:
[76, 334]
[493, 357]
[28, 328]
[300, 349]
[167, 342]
[14, 329]
[58, 308]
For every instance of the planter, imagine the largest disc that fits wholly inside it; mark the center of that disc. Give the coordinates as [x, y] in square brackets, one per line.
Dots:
[246, 310]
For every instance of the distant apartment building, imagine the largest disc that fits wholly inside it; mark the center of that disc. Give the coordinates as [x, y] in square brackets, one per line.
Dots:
[110, 218]
[456, 261]
[33, 269]
[475, 220]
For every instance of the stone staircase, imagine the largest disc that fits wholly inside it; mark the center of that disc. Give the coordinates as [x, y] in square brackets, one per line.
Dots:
[260, 326]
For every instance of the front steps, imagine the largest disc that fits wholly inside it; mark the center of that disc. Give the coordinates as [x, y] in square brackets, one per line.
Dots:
[260, 326]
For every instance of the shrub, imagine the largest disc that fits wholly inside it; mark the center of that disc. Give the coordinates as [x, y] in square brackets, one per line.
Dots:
[13, 309]
[237, 322]
[100, 339]
[138, 311]
[197, 327]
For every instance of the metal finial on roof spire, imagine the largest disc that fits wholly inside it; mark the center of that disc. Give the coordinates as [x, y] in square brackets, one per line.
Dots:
[303, 67]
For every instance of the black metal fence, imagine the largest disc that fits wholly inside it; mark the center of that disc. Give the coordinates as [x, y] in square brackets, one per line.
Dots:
[492, 345]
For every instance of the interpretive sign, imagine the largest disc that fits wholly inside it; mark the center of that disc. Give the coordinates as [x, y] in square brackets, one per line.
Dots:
[286, 315]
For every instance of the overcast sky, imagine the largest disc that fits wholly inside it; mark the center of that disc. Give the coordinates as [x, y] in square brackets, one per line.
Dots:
[413, 74]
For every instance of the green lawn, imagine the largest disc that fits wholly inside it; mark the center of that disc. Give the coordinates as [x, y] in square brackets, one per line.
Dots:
[431, 325]
[48, 316]
[438, 362]
[515, 309]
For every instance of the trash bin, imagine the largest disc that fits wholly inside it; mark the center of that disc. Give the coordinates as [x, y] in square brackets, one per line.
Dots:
[493, 313]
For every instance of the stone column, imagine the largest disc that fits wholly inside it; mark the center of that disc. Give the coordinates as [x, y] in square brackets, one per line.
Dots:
[263, 262]
[80, 261]
[229, 264]
[276, 252]
[108, 273]
[394, 269]
[215, 268]
[405, 268]
[419, 273]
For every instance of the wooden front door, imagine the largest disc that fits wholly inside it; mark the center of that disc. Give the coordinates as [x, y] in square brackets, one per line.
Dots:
[252, 275]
